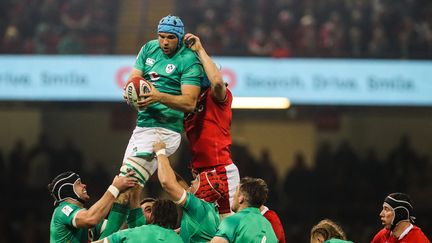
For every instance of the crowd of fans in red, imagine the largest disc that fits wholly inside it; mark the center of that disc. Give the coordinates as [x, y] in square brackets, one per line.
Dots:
[277, 28]
[57, 26]
[308, 28]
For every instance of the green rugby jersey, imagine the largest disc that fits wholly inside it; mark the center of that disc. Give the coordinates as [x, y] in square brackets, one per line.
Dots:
[248, 225]
[167, 74]
[199, 221]
[145, 233]
[62, 230]
[337, 241]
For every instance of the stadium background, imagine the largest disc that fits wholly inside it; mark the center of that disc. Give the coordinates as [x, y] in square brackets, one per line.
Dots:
[321, 160]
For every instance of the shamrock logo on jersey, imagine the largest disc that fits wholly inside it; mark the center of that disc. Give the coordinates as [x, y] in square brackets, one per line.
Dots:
[170, 68]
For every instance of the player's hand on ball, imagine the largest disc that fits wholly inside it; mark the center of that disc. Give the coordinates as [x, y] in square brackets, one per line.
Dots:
[149, 98]
[158, 146]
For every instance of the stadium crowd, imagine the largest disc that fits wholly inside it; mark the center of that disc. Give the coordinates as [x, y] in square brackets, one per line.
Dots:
[265, 28]
[328, 28]
[57, 27]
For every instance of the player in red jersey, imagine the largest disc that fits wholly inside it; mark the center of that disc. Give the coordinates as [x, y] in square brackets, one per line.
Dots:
[274, 220]
[396, 216]
[208, 127]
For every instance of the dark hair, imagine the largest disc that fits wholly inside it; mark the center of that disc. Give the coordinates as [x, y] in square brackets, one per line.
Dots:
[164, 213]
[328, 229]
[147, 199]
[255, 190]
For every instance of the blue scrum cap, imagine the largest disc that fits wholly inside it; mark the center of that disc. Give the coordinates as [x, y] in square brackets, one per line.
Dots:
[173, 25]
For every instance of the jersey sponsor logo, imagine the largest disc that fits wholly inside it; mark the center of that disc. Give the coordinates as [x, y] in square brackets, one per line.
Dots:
[153, 76]
[150, 61]
[67, 210]
[170, 68]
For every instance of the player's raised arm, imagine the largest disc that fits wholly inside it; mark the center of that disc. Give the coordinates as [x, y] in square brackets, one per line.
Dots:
[218, 88]
[167, 176]
[92, 216]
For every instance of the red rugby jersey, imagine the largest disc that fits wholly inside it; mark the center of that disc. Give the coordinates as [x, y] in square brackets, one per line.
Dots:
[208, 131]
[415, 235]
[274, 220]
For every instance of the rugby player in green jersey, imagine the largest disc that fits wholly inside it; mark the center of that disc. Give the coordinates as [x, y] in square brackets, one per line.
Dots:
[163, 220]
[200, 216]
[247, 224]
[175, 74]
[71, 222]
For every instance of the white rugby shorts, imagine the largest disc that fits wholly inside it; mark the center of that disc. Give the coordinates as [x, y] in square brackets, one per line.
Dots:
[142, 140]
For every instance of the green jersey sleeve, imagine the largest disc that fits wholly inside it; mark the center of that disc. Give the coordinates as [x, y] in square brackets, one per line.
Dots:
[193, 75]
[67, 214]
[140, 59]
[61, 226]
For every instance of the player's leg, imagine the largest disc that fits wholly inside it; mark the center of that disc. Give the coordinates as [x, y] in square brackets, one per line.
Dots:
[139, 154]
[231, 174]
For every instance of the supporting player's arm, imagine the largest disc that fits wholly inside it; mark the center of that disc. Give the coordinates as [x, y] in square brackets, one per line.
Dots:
[218, 239]
[218, 88]
[167, 176]
[104, 240]
[91, 217]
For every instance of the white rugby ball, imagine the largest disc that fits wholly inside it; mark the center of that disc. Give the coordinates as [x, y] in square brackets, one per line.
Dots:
[136, 86]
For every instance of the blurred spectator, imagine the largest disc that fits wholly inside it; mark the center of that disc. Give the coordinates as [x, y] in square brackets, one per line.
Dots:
[38, 26]
[266, 164]
[328, 28]
[258, 44]
[18, 165]
[3, 168]
[45, 40]
[68, 157]
[280, 46]
[71, 43]
[40, 160]
[402, 160]
[75, 15]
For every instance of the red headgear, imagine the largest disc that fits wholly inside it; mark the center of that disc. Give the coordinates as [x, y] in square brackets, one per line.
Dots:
[210, 187]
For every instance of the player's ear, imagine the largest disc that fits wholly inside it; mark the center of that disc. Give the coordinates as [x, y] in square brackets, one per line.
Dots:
[241, 198]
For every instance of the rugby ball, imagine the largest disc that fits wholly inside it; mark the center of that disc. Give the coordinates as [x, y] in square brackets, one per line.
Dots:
[135, 87]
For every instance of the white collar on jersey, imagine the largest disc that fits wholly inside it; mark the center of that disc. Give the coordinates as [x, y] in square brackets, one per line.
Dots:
[406, 231]
[265, 209]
